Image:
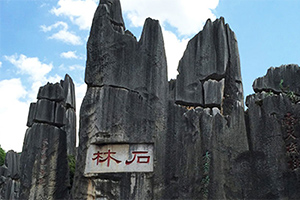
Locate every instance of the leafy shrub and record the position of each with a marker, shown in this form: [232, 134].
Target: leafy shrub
[2, 156]
[72, 164]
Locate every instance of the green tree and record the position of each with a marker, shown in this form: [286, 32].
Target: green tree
[72, 164]
[2, 156]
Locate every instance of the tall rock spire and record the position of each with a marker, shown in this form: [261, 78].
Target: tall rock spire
[125, 104]
[206, 118]
[210, 64]
[51, 134]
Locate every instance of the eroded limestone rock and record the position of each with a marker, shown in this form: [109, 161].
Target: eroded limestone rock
[273, 132]
[279, 79]
[211, 55]
[10, 176]
[125, 102]
[51, 136]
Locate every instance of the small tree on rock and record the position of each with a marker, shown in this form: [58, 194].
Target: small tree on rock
[2, 156]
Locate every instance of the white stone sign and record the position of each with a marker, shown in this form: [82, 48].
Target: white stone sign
[114, 158]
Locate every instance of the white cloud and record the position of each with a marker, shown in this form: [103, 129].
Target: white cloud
[0, 64]
[67, 37]
[69, 54]
[14, 107]
[30, 66]
[63, 35]
[76, 67]
[174, 51]
[80, 12]
[80, 90]
[13, 114]
[54, 26]
[187, 16]
[36, 70]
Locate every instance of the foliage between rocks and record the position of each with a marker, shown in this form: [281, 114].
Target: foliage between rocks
[2, 156]
[205, 180]
[72, 164]
[290, 94]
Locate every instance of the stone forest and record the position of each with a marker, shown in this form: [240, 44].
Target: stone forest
[144, 137]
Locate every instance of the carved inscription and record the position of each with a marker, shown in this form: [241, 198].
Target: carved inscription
[116, 158]
[292, 150]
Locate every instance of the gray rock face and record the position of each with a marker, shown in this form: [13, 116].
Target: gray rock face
[200, 141]
[205, 146]
[287, 74]
[274, 127]
[50, 112]
[117, 59]
[206, 126]
[45, 168]
[12, 160]
[213, 92]
[10, 176]
[70, 129]
[50, 136]
[211, 55]
[125, 102]
[52, 92]
[69, 92]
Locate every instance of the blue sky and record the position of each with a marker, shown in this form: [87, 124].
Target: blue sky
[41, 41]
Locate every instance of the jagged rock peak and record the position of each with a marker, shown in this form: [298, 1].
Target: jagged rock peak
[69, 91]
[212, 55]
[50, 137]
[12, 161]
[279, 79]
[113, 8]
[59, 92]
[116, 58]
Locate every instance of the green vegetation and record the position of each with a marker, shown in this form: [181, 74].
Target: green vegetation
[270, 93]
[290, 94]
[205, 180]
[281, 85]
[2, 156]
[72, 164]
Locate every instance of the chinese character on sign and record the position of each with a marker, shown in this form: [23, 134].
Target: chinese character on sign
[294, 162]
[140, 159]
[100, 159]
[289, 122]
[292, 148]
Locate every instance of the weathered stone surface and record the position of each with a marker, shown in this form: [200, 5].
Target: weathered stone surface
[125, 103]
[115, 115]
[273, 137]
[45, 111]
[44, 169]
[9, 188]
[117, 59]
[70, 129]
[10, 176]
[211, 54]
[201, 141]
[31, 114]
[213, 92]
[289, 74]
[50, 137]
[12, 161]
[51, 91]
[69, 92]
[50, 112]
[4, 171]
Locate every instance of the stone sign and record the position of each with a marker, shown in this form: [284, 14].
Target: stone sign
[113, 158]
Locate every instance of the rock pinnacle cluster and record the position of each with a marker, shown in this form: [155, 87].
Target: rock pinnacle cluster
[144, 137]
